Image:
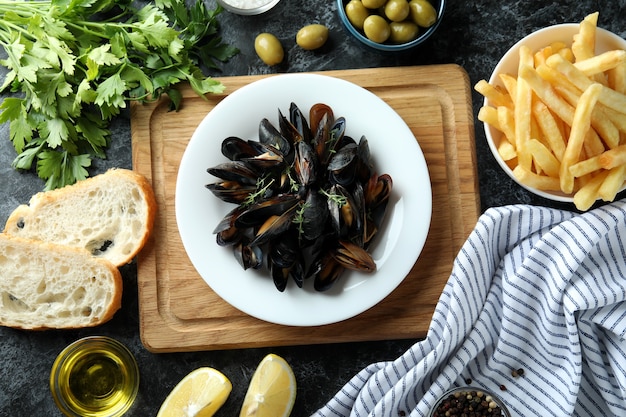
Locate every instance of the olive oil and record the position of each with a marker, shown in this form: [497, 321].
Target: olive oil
[94, 377]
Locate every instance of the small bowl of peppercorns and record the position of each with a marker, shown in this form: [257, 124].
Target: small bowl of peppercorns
[469, 401]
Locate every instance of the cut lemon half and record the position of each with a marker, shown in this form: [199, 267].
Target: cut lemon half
[272, 389]
[199, 394]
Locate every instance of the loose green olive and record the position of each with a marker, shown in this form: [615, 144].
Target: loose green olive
[356, 13]
[312, 36]
[397, 10]
[376, 28]
[373, 4]
[269, 49]
[402, 32]
[422, 13]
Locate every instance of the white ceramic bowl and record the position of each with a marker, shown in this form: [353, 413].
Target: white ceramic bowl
[605, 41]
[247, 7]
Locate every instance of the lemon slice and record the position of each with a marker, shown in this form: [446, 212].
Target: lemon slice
[272, 390]
[199, 394]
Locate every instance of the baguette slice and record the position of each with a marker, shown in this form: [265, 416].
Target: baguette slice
[110, 215]
[49, 286]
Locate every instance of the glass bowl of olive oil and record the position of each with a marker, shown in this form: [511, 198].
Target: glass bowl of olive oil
[94, 377]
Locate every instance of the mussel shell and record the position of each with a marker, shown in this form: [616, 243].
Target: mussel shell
[235, 148]
[231, 191]
[285, 259]
[238, 171]
[270, 135]
[287, 129]
[352, 256]
[343, 164]
[365, 166]
[268, 158]
[335, 138]
[326, 272]
[314, 216]
[274, 226]
[284, 251]
[226, 232]
[377, 196]
[248, 255]
[320, 114]
[346, 219]
[280, 276]
[321, 134]
[297, 119]
[305, 164]
[259, 212]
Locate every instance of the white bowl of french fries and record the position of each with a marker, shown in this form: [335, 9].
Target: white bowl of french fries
[555, 113]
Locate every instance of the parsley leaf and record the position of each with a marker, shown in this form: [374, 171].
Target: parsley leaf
[74, 64]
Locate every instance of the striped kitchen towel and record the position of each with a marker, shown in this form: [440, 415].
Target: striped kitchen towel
[532, 288]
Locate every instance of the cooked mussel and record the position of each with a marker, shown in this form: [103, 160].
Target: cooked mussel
[248, 255]
[270, 135]
[286, 260]
[308, 200]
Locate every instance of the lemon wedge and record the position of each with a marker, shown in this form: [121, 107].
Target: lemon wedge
[272, 389]
[199, 394]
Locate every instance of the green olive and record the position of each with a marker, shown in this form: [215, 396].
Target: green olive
[356, 13]
[376, 28]
[422, 13]
[403, 32]
[373, 4]
[269, 49]
[312, 36]
[397, 10]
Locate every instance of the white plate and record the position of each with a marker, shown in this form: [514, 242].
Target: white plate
[394, 151]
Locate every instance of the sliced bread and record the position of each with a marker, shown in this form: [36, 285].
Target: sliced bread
[49, 286]
[110, 215]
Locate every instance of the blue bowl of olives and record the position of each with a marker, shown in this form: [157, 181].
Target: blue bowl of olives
[391, 25]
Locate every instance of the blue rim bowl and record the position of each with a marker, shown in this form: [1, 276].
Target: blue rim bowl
[439, 6]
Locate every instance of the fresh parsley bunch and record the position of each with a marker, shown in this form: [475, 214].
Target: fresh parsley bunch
[76, 63]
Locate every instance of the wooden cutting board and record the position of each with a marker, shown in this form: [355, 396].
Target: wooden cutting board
[179, 312]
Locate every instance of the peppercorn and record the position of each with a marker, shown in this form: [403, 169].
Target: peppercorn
[474, 403]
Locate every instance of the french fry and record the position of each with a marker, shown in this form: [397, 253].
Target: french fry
[586, 167]
[546, 92]
[588, 193]
[544, 158]
[608, 97]
[506, 119]
[601, 63]
[583, 43]
[602, 124]
[540, 182]
[489, 115]
[617, 78]
[523, 105]
[612, 184]
[507, 150]
[493, 94]
[550, 128]
[613, 157]
[510, 84]
[580, 127]
[558, 47]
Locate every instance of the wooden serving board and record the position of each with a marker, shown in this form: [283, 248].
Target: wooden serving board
[179, 312]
